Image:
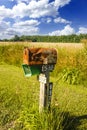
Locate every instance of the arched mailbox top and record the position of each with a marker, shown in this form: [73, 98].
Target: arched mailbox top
[39, 56]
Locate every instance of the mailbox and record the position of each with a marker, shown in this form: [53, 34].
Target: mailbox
[39, 56]
[38, 60]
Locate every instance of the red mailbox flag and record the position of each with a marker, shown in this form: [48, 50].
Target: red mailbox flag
[39, 56]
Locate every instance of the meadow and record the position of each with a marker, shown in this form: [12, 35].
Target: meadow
[19, 96]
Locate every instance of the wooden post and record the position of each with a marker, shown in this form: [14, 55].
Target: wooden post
[50, 94]
[42, 96]
[45, 89]
[47, 84]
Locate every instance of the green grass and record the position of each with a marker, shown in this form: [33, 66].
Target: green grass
[19, 103]
[19, 96]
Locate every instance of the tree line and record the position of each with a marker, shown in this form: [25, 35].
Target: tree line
[37, 38]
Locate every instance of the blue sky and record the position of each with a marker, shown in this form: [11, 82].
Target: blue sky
[42, 17]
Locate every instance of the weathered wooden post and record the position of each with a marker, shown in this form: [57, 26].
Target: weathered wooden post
[45, 87]
[43, 91]
[41, 61]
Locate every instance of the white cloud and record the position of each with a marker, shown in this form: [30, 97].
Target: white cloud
[82, 30]
[5, 12]
[19, 1]
[3, 27]
[61, 20]
[41, 9]
[33, 8]
[29, 27]
[68, 30]
[37, 8]
[19, 10]
[24, 31]
[61, 3]
[46, 20]
[27, 23]
[49, 20]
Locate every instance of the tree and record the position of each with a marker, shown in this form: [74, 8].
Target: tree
[16, 38]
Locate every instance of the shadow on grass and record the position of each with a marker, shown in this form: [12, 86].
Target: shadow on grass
[68, 121]
[72, 122]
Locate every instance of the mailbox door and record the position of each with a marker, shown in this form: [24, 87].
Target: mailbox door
[31, 70]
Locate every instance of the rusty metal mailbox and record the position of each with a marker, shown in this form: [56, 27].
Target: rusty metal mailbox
[39, 56]
[37, 59]
[41, 61]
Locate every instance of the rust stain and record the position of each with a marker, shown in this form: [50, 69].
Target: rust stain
[36, 56]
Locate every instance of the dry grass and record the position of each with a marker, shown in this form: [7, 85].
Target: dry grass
[40, 44]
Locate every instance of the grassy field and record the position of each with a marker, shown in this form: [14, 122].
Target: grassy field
[19, 96]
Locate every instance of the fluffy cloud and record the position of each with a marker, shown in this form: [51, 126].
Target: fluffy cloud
[4, 26]
[27, 23]
[26, 1]
[49, 20]
[82, 30]
[28, 27]
[61, 20]
[19, 1]
[68, 30]
[32, 8]
[41, 9]
[5, 12]
[61, 3]
[46, 20]
[19, 10]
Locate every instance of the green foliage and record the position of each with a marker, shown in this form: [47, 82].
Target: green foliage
[11, 54]
[19, 96]
[16, 38]
[71, 76]
[71, 66]
[48, 120]
[19, 103]
[70, 38]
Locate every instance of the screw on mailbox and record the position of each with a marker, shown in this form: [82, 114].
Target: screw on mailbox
[41, 61]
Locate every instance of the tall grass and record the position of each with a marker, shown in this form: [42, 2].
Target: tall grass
[19, 103]
[11, 54]
[19, 96]
[71, 64]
